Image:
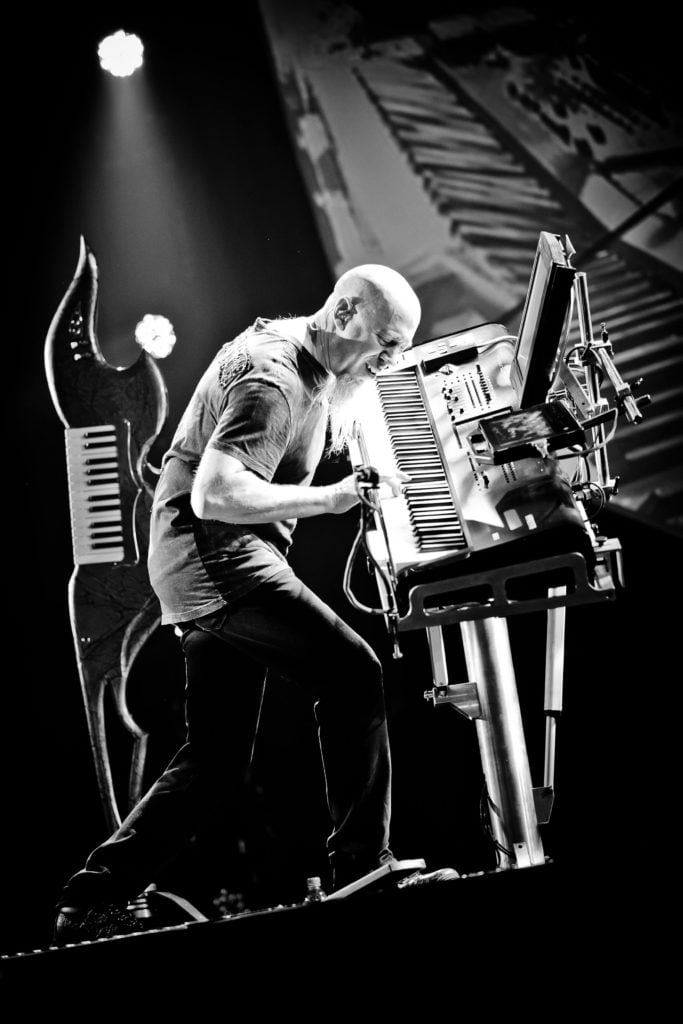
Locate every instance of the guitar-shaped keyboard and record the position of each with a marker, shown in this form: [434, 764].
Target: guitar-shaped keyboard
[111, 418]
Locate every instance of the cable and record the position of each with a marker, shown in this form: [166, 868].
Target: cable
[602, 497]
[609, 437]
[367, 479]
[495, 341]
[353, 554]
[583, 452]
[487, 829]
[577, 348]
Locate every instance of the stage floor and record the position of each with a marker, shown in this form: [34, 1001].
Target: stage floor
[554, 930]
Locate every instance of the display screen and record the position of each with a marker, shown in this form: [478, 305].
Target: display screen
[509, 436]
[542, 326]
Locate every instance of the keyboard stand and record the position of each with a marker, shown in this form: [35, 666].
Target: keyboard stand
[491, 700]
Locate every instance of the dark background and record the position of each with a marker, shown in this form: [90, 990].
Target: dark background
[226, 233]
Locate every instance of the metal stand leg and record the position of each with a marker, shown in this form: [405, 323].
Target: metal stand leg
[501, 742]
[554, 674]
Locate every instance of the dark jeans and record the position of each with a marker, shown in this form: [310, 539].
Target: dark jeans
[281, 625]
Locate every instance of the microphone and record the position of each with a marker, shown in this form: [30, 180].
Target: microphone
[367, 476]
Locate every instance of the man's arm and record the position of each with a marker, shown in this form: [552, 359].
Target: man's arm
[226, 490]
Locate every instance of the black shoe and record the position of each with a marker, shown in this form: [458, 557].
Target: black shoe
[74, 924]
[428, 878]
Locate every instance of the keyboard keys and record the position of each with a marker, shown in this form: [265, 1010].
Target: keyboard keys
[95, 494]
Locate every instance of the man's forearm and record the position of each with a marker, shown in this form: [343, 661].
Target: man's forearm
[245, 498]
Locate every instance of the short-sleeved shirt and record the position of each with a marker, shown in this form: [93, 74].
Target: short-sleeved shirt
[262, 400]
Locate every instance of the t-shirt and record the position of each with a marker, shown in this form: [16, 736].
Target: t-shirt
[263, 401]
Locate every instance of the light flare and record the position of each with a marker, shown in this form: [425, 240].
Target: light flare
[120, 54]
[155, 334]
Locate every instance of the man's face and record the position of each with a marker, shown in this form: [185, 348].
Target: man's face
[367, 339]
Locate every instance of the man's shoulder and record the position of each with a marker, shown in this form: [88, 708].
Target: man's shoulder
[272, 346]
[255, 354]
[269, 353]
[272, 351]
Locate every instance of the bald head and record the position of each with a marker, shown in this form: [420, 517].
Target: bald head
[366, 322]
[383, 291]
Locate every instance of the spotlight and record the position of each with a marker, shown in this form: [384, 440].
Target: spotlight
[120, 54]
[156, 335]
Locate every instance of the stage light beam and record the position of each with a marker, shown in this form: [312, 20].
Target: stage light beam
[120, 54]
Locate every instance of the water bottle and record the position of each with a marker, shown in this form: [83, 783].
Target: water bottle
[314, 890]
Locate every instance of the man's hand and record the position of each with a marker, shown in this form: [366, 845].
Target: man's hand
[344, 494]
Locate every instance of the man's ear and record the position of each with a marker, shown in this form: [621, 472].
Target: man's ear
[344, 310]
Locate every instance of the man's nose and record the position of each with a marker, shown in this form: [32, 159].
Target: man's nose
[387, 359]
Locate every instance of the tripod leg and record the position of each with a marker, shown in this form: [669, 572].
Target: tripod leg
[501, 742]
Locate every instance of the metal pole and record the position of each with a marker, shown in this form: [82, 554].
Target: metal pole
[554, 676]
[501, 742]
[599, 457]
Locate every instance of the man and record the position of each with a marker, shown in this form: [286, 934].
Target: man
[234, 482]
